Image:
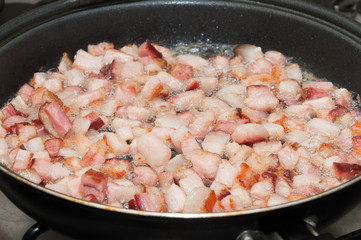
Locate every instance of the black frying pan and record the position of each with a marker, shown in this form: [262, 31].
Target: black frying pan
[323, 42]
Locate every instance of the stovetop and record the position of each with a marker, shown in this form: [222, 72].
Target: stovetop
[14, 223]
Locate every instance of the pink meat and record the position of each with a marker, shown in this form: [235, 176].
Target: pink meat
[25, 92]
[248, 52]
[262, 190]
[9, 110]
[100, 49]
[276, 58]
[147, 49]
[206, 163]
[260, 97]
[95, 121]
[152, 88]
[201, 124]
[145, 176]
[12, 121]
[93, 185]
[53, 146]
[58, 118]
[261, 65]
[250, 133]
[346, 170]
[87, 62]
[22, 160]
[288, 157]
[187, 100]
[175, 198]
[142, 202]
[125, 93]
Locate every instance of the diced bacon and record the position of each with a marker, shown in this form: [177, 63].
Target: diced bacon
[250, 133]
[321, 103]
[196, 200]
[168, 81]
[346, 170]
[282, 188]
[12, 121]
[156, 153]
[275, 131]
[184, 142]
[175, 198]
[122, 191]
[117, 146]
[147, 49]
[111, 54]
[261, 65]
[276, 199]
[145, 176]
[138, 113]
[42, 164]
[87, 62]
[53, 146]
[190, 182]
[306, 180]
[74, 77]
[80, 126]
[182, 72]
[215, 142]
[206, 163]
[226, 174]
[152, 88]
[126, 70]
[187, 100]
[302, 111]
[248, 52]
[267, 148]
[288, 157]
[83, 100]
[201, 124]
[9, 110]
[93, 159]
[276, 58]
[25, 132]
[231, 203]
[225, 126]
[294, 72]
[116, 168]
[142, 202]
[289, 91]
[58, 119]
[342, 97]
[262, 190]
[96, 83]
[171, 121]
[100, 49]
[65, 63]
[196, 62]
[34, 145]
[95, 121]
[260, 98]
[93, 185]
[22, 160]
[31, 175]
[207, 84]
[238, 70]
[25, 92]
[125, 93]
[38, 79]
[322, 127]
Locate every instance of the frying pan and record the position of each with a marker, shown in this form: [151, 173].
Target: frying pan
[322, 41]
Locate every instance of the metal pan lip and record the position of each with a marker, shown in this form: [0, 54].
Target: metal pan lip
[291, 204]
[179, 215]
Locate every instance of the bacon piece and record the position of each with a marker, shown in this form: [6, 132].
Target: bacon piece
[196, 62]
[323, 127]
[248, 52]
[288, 157]
[53, 146]
[206, 163]
[260, 65]
[246, 176]
[182, 72]
[111, 54]
[342, 97]
[145, 176]
[96, 122]
[215, 142]
[346, 170]
[58, 118]
[22, 160]
[289, 91]
[116, 168]
[126, 70]
[125, 93]
[187, 100]
[87, 62]
[250, 133]
[142, 202]
[190, 182]
[175, 198]
[276, 58]
[9, 110]
[262, 190]
[147, 49]
[152, 88]
[225, 126]
[156, 153]
[93, 185]
[260, 97]
[12, 121]
[100, 49]
[93, 158]
[25, 92]
[170, 82]
[201, 124]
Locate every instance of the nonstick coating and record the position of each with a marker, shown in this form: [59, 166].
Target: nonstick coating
[320, 47]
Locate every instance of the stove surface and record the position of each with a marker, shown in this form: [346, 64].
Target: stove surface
[14, 223]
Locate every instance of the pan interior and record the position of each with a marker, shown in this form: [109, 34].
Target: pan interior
[319, 47]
